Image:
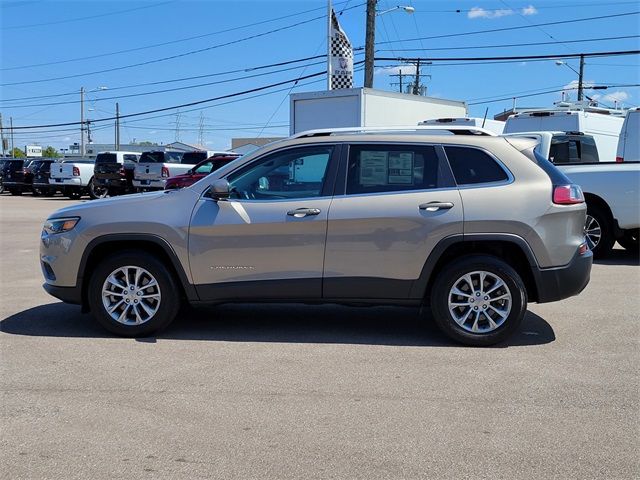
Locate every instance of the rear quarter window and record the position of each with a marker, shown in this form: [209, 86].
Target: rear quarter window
[471, 166]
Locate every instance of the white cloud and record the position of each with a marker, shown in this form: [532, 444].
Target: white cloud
[406, 70]
[571, 89]
[66, 139]
[617, 96]
[151, 132]
[479, 12]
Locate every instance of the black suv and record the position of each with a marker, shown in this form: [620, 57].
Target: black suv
[13, 174]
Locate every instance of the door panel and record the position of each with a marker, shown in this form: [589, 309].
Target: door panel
[268, 241]
[399, 203]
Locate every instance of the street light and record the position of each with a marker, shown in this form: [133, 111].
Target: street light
[407, 9]
[580, 74]
[82, 128]
[370, 39]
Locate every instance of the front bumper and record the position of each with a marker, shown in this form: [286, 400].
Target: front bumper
[555, 284]
[66, 294]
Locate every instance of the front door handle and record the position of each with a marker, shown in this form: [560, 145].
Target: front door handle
[303, 212]
[435, 206]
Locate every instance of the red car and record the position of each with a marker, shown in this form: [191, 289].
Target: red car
[201, 170]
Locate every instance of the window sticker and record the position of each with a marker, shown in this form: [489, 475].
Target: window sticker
[401, 168]
[373, 167]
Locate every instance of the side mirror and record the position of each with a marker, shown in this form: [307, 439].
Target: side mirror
[220, 189]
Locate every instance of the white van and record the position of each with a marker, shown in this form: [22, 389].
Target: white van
[628, 145]
[495, 126]
[604, 126]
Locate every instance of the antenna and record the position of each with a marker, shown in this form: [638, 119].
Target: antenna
[178, 126]
[201, 130]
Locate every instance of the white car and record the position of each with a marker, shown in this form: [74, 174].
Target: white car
[73, 177]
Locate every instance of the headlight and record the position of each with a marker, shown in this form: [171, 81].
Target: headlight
[60, 225]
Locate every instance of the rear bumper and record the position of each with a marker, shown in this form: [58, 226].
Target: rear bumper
[66, 294]
[555, 284]
[159, 184]
[113, 183]
[67, 182]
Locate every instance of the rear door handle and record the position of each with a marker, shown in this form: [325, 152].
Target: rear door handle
[435, 206]
[303, 212]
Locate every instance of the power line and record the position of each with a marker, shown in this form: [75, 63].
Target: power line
[599, 87]
[195, 37]
[164, 109]
[515, 57]
[86, 18]
[521, 27]
[473, 47]
[166, 90]
[164, 59]
[182, 79]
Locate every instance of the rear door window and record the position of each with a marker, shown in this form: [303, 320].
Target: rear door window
[106, 158]
[193, 158]
[173, 157]
[394, 168]
[472, 166]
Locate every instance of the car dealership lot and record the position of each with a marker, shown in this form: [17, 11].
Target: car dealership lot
[271, 391]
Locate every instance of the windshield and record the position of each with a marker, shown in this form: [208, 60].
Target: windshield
[152, 157]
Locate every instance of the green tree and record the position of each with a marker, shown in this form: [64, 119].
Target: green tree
[50, 152]
[147, 144]
[17, 153]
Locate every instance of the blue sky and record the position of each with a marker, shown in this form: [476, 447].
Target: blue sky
[36, 32]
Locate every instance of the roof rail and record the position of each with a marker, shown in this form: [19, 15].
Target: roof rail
[413, 129]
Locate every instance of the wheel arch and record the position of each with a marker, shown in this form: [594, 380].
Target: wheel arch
[101, 247]
[510, 248]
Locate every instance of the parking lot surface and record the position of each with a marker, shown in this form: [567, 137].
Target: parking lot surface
[254, 391]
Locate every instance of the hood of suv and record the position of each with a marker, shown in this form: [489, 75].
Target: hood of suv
[140, 201]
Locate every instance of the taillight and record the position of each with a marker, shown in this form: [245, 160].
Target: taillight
[122, 172]
[165, 172]
[76, 172]
[582, 249]
[619, 159]
[567, 194]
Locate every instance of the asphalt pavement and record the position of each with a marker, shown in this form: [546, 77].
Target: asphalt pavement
[252, 391]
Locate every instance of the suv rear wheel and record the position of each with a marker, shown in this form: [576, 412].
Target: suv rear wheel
[133, 294]
[478, 300]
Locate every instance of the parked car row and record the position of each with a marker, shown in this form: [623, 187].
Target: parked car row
[110, 173]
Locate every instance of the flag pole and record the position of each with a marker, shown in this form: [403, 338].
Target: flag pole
[329, 9]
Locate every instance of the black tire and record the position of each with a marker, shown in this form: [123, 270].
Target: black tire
[73, 194]
[630, 240]
[168, 288]
[36, 192]
[602, 247]
[450, 276]
[15, 192]
[96, 191]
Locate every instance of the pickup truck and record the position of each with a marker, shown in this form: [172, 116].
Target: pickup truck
[611, 189]
[156, 167]
[563, 147]
[113, 173]
[72, 177]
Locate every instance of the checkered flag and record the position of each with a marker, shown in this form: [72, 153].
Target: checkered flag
[341, 63]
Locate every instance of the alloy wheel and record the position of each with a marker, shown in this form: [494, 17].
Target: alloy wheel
[131, 295]
[592, 231]
[479, 301]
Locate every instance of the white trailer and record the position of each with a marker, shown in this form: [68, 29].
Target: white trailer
[366, 107]
[603, 125]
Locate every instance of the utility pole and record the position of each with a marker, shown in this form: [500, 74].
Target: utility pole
[416, 84]
[329, 21]
[399, 75]
[82, 121]
[369, 45]
[580, 79]
[117, 142]
[11, 125]
[2, 135]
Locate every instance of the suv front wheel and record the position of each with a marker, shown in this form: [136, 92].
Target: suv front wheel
[133, 294]
[478, 300]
